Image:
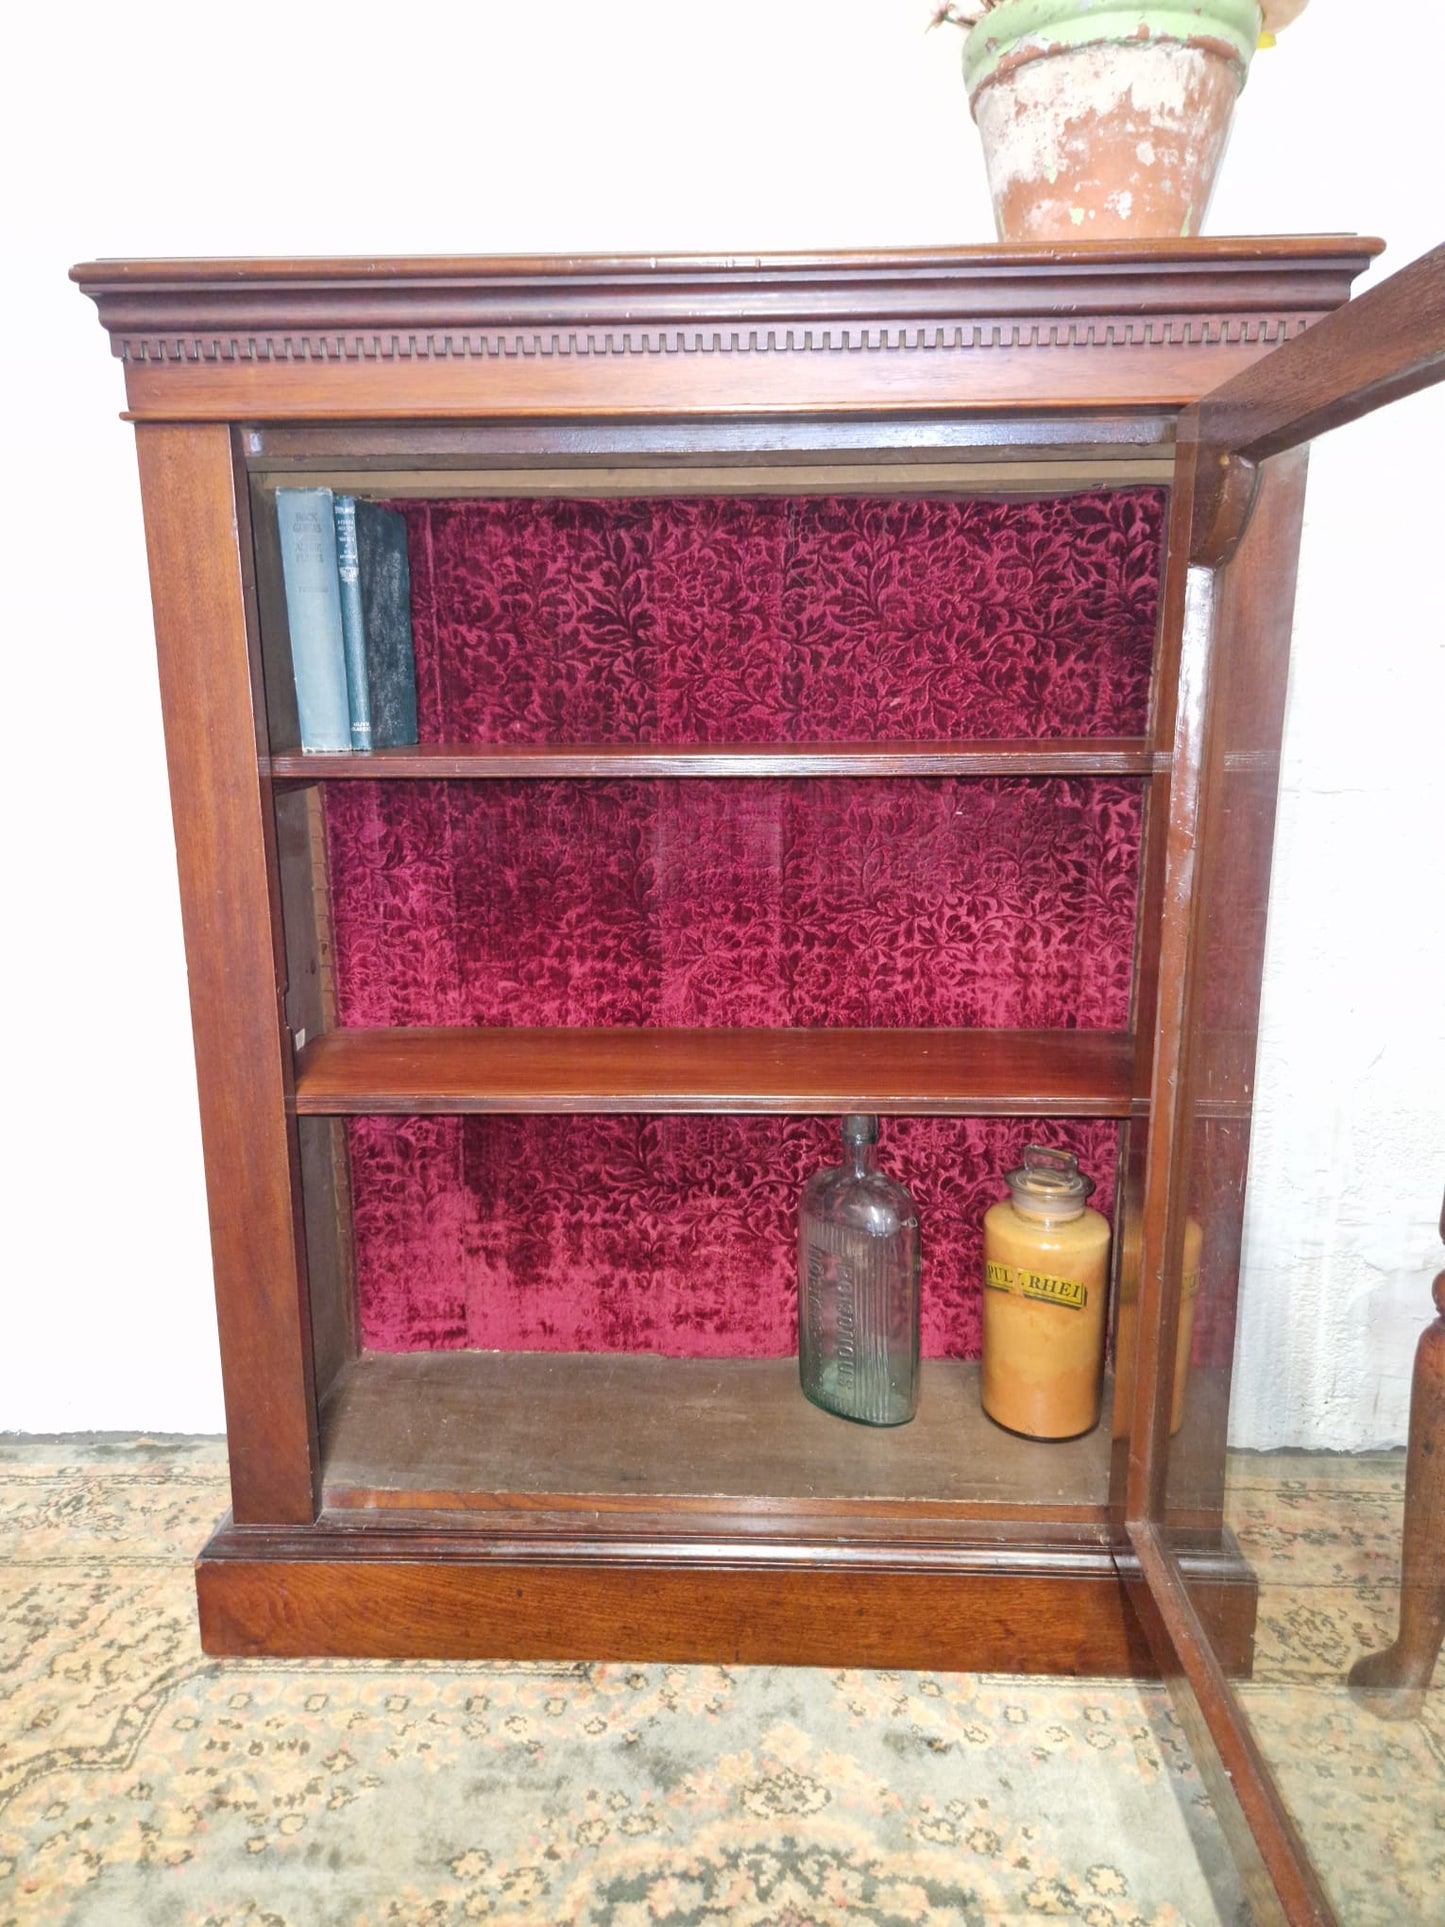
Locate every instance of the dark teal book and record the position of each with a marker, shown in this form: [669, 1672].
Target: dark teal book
[386, 612]
[307, 528]
[353, 623]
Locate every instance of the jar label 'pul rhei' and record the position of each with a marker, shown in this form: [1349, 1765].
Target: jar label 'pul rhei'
[1036, 1284]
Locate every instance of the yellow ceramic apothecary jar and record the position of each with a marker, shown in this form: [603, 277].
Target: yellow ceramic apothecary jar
[1046, 1271]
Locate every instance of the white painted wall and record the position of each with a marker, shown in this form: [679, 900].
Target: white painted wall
[643, 124]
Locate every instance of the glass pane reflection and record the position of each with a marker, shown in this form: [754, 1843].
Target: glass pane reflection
[1286, 1496]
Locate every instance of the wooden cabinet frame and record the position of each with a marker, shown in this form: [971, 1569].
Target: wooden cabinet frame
[1203, 364]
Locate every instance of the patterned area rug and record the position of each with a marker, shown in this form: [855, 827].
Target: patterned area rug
[142, 1783]
[1368, 1794]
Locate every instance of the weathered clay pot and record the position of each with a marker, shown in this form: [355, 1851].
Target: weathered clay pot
[1102, 119]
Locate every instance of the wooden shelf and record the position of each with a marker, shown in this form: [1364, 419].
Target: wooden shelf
[499, 1432]
[981, 1073]
[1075, 756]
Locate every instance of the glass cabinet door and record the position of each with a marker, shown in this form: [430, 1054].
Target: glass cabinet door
[1292, 1549]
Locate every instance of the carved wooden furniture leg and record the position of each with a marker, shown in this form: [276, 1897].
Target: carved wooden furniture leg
[1392, 1683]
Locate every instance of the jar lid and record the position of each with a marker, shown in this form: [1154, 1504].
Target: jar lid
[1049, 1183]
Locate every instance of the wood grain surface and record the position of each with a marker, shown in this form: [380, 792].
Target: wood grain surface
[1387, 344]
[974, 328]
[1083, 756]
[983, 1073]
[235, 960]
[470, 1430]
[366, 1599]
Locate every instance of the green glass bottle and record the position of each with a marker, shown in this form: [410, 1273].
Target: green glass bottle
[858, 1271]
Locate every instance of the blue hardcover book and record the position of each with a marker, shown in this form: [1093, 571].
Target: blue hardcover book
[313, 615]
[353, 625]
[386, 611]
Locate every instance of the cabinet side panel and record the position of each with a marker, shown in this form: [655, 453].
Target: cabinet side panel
[310, 1011]
[199, 547]
[283, 726]
[326, 1180]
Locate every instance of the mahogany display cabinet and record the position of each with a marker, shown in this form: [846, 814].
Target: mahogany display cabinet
[847, 683]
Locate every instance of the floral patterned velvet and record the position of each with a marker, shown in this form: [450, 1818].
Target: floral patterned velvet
[653, 1234]
[873, 900]
[879, 901]
[784, 619]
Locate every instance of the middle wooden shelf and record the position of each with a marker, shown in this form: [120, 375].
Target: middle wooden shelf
[980, 1073]
[1023, 756]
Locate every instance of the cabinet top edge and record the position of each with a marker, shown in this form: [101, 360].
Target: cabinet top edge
[1089, 325]
[1076, 259]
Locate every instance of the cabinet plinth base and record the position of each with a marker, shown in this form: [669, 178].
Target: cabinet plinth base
[998, 1606]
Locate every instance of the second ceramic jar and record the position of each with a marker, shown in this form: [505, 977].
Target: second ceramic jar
[1046, 1268]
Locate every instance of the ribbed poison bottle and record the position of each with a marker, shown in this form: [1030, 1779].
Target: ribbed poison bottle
[858, 1265]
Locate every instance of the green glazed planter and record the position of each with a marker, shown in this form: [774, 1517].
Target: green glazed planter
[1102, 120]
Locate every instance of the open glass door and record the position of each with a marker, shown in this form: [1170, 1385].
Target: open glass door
[1295, 1596]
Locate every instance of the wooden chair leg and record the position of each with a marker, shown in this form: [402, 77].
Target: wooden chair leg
[1393, 1683]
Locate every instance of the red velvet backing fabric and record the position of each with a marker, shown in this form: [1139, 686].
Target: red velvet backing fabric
[889, 901]
[784, 619]
[711, 902]
[669, 1234]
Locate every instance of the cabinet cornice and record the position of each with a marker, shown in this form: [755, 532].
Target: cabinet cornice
[979, 327]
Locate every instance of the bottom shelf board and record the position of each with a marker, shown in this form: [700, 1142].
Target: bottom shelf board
[479, 1431]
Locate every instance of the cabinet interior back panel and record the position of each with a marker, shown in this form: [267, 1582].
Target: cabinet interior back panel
[858, 900]
[672, 1235]
[869, 901]
[784, 618]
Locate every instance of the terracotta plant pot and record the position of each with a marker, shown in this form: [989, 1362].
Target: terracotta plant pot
[1106, 119]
